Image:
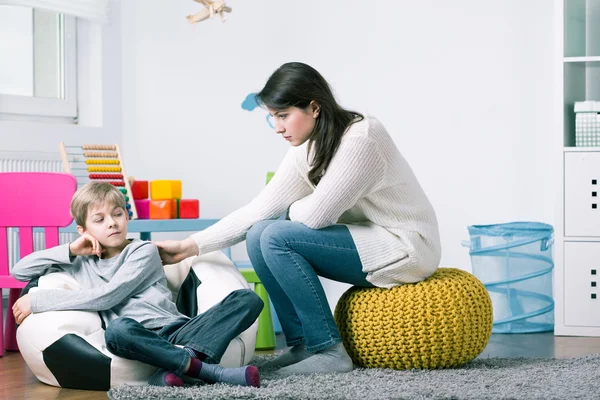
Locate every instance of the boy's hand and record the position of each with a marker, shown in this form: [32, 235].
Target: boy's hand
[21, 309]
[86, 245]
[173, 251]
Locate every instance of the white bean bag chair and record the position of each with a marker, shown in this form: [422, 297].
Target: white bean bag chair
[67, 348]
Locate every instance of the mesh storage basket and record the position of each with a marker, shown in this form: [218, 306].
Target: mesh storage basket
[514, 262]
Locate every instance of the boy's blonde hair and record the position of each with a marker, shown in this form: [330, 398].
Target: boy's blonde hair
[91, 194]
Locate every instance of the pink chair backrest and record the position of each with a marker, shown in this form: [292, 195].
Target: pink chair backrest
[28, 200]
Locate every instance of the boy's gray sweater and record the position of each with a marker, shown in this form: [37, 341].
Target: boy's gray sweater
[132, 284]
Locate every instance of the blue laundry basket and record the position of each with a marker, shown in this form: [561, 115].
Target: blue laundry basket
[514, 262]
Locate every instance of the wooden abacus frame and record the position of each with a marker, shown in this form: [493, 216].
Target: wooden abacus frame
[97, 157]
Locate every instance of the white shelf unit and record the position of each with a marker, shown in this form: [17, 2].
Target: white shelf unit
[580, 59]
[577, 228]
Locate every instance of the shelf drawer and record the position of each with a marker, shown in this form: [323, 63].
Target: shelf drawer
[581, 280]
[582, 194]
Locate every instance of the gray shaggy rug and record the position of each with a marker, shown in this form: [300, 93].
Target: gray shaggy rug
[487, 378]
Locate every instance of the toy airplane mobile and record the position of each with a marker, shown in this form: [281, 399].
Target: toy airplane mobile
[212, 8]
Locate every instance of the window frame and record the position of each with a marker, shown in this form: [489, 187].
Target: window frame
[51, 107]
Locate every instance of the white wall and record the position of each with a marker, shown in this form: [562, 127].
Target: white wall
[464, 87]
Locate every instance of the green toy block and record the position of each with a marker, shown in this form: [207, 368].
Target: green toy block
[270, 176]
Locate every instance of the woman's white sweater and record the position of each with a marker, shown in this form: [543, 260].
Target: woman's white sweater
[369, 187]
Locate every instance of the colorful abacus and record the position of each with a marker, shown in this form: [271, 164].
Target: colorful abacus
[98, 163]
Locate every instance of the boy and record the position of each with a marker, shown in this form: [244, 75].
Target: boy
[124, 280]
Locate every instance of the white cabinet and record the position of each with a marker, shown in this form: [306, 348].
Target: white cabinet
[582, 301]
[582, 190]
[577, 228]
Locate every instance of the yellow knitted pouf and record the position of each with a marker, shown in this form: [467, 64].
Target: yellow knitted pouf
[442, 322]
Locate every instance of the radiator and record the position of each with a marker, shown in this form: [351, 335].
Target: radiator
[30, 162]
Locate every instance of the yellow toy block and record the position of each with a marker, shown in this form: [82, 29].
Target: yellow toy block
[165, 190]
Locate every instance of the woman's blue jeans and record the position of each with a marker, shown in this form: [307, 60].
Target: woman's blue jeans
[289, 257]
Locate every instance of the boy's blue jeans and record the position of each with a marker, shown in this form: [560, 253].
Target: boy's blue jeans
[289, 257]
[208, 333]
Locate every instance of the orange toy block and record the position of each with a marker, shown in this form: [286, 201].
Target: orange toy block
[189, 208]
[139, 190]
[163, 209]
[165, 190]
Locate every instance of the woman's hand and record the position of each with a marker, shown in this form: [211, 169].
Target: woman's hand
[173, 251]
[86, 245]
[21, 309]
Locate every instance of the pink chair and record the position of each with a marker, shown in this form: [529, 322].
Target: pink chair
[29, 199]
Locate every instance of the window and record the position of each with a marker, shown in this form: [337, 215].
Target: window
[37, 63]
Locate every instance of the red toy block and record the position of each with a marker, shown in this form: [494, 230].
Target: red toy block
[139, 190]
[163, 209]
[189, 208]
[143, 208]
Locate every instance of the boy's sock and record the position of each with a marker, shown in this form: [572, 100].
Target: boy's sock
[211, 373]
[292, 356]
[162, 377]
[333, 359]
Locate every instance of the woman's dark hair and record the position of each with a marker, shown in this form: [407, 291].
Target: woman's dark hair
[296, 85]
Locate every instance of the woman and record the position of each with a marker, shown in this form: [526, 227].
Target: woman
[356, 215]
